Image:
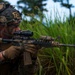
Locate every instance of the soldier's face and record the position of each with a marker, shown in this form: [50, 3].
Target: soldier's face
[7, 31]
[12, 26]
[11, 29]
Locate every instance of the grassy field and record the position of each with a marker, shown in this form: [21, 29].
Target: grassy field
[56, 60]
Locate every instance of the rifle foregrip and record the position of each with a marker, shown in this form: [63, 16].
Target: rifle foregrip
[27, 58]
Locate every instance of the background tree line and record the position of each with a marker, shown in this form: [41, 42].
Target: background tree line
[35, 8]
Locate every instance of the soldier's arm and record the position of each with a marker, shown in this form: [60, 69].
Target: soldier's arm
[10, 53]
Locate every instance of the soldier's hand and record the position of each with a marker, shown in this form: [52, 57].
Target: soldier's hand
[48, 38]
[31, 48]
[12, 52]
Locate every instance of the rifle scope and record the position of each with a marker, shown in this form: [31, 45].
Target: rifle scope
[23, 33]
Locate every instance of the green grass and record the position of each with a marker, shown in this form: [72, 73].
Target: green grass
[55, 61]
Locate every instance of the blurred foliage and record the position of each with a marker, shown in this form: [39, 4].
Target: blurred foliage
[55, 61]
[2, 0]
[32, 7]
[66, 4]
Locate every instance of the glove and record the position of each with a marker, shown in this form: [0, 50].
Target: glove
[48, 38]
[34, 48]
[31, 48]
[12, 52]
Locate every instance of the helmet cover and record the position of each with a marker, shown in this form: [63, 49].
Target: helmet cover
[8, 13]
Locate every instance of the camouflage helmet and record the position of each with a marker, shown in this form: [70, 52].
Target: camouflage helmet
[8, 13]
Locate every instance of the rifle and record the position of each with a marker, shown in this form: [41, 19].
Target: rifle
[25, 37]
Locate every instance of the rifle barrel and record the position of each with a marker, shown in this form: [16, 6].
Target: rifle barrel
[68, 45]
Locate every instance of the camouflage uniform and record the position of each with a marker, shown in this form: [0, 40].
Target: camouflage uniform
[14, 66]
